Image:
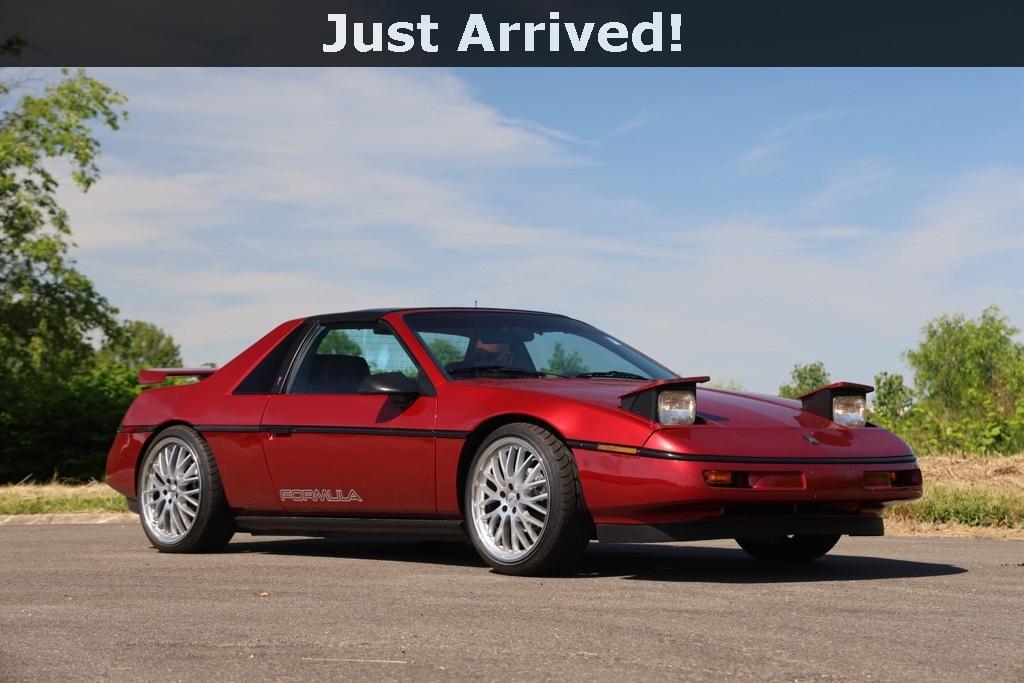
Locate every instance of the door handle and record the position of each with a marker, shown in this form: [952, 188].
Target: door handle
[278, 430]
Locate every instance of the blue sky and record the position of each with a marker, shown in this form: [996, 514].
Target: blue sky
[728, 222]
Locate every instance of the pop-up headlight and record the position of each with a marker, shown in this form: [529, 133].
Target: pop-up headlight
[671, 402]
[677, 407]
[850, 410]
[845, 403]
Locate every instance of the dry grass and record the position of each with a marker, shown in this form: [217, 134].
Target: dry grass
[26, 499]
[966, 496]
[1005, 473]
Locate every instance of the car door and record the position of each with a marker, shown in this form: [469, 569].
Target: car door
[334, 451]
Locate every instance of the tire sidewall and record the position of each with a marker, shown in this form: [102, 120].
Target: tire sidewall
[201, 450]
[550, 534]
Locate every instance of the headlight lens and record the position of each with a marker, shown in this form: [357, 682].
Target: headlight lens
[677, 407]
[849, 411]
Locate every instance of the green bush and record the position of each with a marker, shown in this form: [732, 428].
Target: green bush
[62, 427]
[968, 380]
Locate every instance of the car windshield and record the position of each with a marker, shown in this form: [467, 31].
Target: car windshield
[468, 344]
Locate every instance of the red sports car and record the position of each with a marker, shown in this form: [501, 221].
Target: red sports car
[533, 433]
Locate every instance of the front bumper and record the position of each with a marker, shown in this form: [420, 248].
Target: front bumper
[623, 489]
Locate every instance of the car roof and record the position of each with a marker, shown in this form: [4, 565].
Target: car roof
[370, 315]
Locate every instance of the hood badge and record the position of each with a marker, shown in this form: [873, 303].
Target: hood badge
[811, 440]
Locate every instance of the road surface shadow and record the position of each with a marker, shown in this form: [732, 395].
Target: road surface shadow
[728, 565]
[634, 562]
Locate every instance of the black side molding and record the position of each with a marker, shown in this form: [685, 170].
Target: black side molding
[739, 528]
[350, 526]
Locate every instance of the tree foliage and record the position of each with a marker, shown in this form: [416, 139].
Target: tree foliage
[562, 363]
[968, 383]
[48, 310]
[59, 400]
[139, 344]
[445, 351]
[892, 398]
[804, 378]
[338, 342]
[959, 359]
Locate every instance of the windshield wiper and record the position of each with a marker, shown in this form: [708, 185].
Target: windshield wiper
[616, 374]
[501, 369]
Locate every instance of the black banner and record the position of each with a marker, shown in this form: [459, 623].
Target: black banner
[534, 33]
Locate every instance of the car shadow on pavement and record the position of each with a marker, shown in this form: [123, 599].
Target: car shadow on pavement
[455, 553]
[727, 565]
[634, 562]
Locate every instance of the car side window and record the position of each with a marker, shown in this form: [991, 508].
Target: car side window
[340, 358]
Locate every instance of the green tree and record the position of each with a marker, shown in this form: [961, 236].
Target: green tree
[892, 399]
[48, 309]
[563, 363]
[968, 383]
[958, 359]
[804, 378]
[446, 352]
[140, 344]
[338, 342]
[58, 403]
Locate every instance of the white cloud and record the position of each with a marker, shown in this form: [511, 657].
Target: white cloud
[250, 197]
[766, 157]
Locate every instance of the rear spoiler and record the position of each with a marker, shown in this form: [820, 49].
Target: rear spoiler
[158, 375]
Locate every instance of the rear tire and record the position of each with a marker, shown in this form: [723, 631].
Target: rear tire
[524, 506]
[181, 499]
[796, 548]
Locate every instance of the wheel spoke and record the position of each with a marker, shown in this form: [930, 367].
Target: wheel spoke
[187, 515]
[531, 533]
[520, 540]
[506, 535]
[535, 483]
[531, 519]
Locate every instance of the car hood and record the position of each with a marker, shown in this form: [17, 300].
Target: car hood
[734, 423]
[738, 410]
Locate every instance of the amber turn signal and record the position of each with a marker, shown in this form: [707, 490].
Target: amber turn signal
[718, 477]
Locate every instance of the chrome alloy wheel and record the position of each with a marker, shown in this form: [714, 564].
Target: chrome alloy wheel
[509, 500]
[171, 491]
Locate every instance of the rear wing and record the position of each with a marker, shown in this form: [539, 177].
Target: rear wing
[158, 375]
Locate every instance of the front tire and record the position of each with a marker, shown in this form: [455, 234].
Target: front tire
[524, 505]
[796, 548]
[181, 500]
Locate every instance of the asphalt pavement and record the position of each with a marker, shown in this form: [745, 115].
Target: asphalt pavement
[97, 603]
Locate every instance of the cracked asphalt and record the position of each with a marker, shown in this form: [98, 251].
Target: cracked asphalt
[97, 603]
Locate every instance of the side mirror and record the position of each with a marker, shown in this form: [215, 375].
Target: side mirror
[398, 387]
